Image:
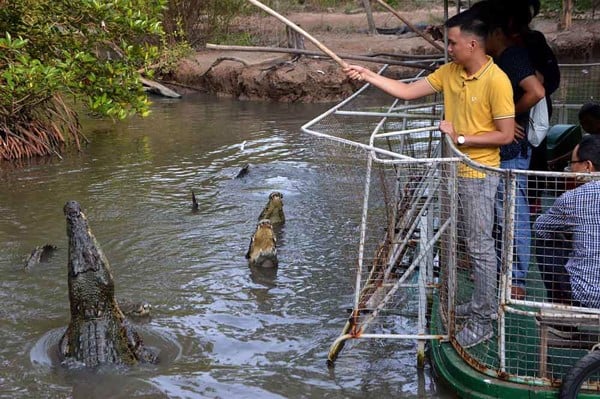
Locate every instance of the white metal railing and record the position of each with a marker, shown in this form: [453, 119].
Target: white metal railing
[420, 254]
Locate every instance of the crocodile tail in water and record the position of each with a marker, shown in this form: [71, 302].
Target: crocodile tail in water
[194, 202]
[98, 332]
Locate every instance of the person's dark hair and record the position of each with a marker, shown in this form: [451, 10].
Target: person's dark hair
[592, 109]
[589, 150]
[523, 10]
[494, 15]
[469, 21]
[513, 16]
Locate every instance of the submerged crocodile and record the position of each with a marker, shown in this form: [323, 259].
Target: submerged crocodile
[98, 332]
[243, 171]
[262, 251]
[39, 254]
[274, 209]
[135, 309]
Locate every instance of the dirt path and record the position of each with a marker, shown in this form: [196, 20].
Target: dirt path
[281, 77]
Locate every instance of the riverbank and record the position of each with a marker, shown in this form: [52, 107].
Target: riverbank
[288, 78]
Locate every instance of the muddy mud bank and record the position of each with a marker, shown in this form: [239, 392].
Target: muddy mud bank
[291, 78]
[283, 80]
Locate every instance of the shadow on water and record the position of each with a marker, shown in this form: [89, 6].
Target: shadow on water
[264, 276]
[226, 330]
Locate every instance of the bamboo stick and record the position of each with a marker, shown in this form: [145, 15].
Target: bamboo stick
[411, 26]
[298, 29]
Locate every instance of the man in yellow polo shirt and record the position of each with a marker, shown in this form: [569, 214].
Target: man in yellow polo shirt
[479, 118]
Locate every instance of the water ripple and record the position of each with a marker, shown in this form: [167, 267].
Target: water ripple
[232, 331]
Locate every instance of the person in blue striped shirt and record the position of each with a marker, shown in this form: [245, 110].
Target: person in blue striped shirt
[568, 253]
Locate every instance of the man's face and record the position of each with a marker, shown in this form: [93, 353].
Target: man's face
[460, 45]
[576, 164]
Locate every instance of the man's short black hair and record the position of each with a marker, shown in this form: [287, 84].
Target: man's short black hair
[469, 21]
[589, 150]
[591, 109]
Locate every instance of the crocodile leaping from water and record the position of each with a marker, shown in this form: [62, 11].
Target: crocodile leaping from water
[98, 332]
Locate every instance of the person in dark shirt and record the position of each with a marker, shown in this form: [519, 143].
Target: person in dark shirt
[545, 63]
[520, 13]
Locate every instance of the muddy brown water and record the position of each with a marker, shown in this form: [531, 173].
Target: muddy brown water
[223, 332]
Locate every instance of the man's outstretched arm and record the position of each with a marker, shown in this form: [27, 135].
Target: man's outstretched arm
[404, 91]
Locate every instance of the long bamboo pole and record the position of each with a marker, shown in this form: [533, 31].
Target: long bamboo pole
[298, 29]
[411, 26]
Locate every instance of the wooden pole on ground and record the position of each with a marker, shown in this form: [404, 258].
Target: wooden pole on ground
[298, 29]
[424, 64]
[411, 26]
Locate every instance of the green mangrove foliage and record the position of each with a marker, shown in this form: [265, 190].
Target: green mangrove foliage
[87, 52]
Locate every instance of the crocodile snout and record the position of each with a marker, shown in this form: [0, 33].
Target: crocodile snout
[72, 209]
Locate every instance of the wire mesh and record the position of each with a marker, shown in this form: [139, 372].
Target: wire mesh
[424, 205]
[578, 85]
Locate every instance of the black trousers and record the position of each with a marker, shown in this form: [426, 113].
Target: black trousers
[552, 256]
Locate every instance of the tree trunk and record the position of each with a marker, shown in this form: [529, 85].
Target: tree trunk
[370, 20]
[294, 39]
[566, 18]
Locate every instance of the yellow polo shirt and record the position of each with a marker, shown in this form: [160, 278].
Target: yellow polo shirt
[472, 103]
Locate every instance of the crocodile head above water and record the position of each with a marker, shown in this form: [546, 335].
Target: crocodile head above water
[274, 209]
[98, 332]
[262, 251]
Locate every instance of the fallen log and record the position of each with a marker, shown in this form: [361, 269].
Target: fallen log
[378, 60]
[421, 57]
[186, 86]
[156, 88]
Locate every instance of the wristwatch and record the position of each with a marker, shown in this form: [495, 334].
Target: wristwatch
[460, 140]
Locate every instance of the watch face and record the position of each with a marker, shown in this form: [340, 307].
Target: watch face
[460, 140]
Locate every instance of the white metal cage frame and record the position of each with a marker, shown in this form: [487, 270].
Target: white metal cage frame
[416, 255]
